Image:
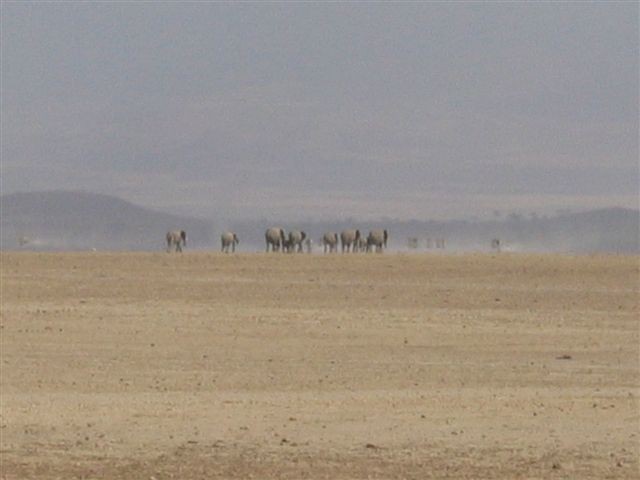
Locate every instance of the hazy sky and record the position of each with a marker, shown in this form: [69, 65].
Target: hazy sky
[302, 110]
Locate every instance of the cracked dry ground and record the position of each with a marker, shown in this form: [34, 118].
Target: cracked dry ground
[156, 366]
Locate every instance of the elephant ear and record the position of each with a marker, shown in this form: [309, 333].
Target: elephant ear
[304, 235]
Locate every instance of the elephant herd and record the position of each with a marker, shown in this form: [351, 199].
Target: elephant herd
[351, 240]
[276, 239]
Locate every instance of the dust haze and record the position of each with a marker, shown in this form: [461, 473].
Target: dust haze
[298, 112]
[496, 336]
[82, 221]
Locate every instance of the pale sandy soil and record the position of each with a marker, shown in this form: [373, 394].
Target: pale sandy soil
[158, 366]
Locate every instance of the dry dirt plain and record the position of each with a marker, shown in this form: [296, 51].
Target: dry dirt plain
[201, 365]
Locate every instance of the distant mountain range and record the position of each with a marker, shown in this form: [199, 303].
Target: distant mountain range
[61, 220]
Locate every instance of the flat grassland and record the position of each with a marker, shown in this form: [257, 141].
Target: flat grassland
[203, 365]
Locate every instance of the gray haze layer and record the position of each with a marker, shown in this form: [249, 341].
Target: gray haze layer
[299, 111]
[83, 221]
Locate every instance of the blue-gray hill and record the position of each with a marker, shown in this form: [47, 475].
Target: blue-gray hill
[63, 220]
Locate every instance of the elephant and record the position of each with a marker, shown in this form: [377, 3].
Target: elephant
[330, 242]
[377, 239]
[229, 240]
[296, 237]
[360, 245]
[349, 238]
[276, 237]
[176, 239]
